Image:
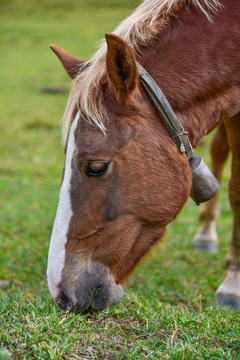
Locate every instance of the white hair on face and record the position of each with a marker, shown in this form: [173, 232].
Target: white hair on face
[56, 254]
[147, 21]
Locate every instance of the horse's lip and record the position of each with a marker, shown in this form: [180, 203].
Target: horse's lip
[95, 289]
[94, 232]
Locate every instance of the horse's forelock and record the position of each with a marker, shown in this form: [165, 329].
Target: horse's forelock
[148, 20]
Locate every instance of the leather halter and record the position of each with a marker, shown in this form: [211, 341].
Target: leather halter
[167, 114]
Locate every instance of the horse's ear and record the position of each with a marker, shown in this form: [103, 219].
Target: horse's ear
[71, 64]
[121, 66]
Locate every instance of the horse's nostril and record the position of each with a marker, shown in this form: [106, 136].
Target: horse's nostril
[63, 302]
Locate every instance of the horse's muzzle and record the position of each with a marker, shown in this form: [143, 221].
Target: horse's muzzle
[95, 290]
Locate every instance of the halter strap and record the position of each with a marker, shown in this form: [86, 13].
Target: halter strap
[167, 114]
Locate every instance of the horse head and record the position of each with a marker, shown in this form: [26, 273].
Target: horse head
[121, 186]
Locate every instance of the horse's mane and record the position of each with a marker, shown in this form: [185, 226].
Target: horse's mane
[142, 26]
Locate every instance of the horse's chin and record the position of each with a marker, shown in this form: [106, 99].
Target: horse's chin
[95, 289]
[114, 295]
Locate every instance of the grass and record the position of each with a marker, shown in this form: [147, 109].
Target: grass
[168, 310]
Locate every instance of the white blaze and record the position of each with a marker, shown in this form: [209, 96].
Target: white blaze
[56, 254]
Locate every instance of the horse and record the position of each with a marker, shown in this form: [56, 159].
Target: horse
[207, 237]
[124, 179]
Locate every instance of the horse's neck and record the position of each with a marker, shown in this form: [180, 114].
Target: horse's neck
[195, 63]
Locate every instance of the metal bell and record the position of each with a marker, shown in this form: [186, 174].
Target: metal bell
[204, 184]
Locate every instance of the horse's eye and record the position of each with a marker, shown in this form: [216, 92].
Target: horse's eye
[97, 168]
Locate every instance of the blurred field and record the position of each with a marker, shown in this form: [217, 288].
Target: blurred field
[168, 310]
